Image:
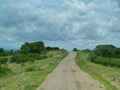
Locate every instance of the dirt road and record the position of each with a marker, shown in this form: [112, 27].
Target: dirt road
[68, 76]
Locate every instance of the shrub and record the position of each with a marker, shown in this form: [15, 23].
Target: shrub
[113, 62]
[20, 59]
[107, 51]
[3, 60]
[92, 57]
[26, 58]
[15, 58]
[30, 69]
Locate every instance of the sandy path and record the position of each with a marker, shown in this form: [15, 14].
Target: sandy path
[68, 76]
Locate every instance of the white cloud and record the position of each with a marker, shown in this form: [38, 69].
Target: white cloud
[68, 23]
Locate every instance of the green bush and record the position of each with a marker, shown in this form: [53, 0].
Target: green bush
[26, 58]
[30, 69]
[17, 59]
[20, 59]
[107, 55]
[113, 62]
[107, 51]
[4, 54]
[92, 57]
[3, 60]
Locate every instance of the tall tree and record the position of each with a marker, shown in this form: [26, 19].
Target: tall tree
[35, 47]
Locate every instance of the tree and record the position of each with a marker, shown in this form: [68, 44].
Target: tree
[25, 48]
[48, 48]
[2, 50]
[75, 49]
[35, 47]
[106, 50]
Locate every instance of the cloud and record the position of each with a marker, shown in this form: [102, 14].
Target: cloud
[68, 24]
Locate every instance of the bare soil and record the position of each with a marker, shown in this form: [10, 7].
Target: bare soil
[68, 76]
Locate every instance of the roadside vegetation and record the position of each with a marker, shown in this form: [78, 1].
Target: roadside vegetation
[103, 64]
[28, 67]
[107, 55]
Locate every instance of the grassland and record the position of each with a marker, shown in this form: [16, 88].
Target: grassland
[30, 75]
[109, 76]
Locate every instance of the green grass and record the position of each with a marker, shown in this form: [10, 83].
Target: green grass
[31, 75]
[109, 76]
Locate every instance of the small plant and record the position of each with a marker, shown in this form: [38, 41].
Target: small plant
[30, 69]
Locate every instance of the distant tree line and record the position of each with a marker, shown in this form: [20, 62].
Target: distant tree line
[27, 52]
[36, 47]
[26, 48]
[6, 52]
[48, 48]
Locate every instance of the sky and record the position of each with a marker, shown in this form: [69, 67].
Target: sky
[64, 23]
